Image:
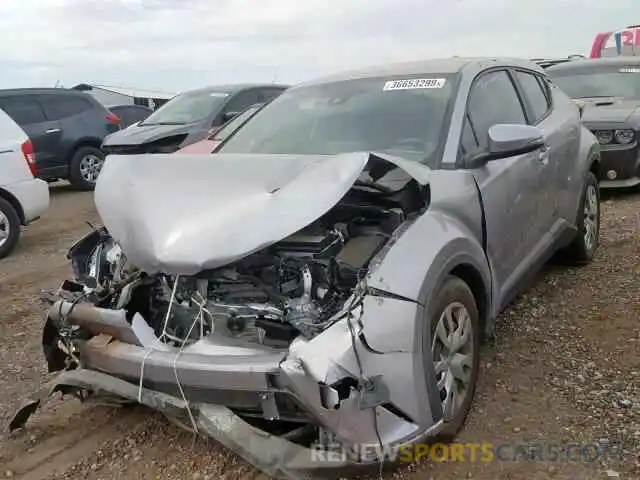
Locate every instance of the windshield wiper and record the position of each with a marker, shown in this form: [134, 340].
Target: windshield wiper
[162, 123]
[597, 96]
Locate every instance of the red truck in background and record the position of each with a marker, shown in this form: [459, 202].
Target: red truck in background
[625, 41]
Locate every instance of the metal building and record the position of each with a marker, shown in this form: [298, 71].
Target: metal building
[110, 96]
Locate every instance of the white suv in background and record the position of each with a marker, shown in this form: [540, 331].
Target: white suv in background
[23, 197]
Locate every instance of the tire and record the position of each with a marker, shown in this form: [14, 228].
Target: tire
[10, 221]
[85, 166]
[581, 251]
[455, 294]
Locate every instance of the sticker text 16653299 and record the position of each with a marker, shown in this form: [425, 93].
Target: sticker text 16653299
[414, 83]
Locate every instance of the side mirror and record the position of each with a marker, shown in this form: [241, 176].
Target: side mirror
[228, 116]
[508, 140]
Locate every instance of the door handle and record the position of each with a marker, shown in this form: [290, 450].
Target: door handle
[52, 130]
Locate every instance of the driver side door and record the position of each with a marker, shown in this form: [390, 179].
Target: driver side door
[511, 188]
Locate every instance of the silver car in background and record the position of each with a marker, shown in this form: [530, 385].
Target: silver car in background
[325, 279]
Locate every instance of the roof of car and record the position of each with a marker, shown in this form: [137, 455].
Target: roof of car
[39, 91]
[422, 67]
[589, 63]
[236, 87]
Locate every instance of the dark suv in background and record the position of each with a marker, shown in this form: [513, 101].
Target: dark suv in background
[188, 118]
[66, 128]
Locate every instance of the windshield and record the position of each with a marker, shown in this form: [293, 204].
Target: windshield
[235, 123]
[621, 82]
[403, 117]
[186, 108]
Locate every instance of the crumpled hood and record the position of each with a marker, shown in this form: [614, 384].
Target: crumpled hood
[141, 134]
[600, 110]
[183, 214]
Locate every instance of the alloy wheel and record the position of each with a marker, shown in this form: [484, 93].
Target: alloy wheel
[90, 167]
[5, 229]
[591, 210]
[452, 352]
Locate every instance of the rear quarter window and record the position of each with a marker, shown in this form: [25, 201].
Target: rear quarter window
[138, 114]
[23, 111]
[60, 107]
[535, 93]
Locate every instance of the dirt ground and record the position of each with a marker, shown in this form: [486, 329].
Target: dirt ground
[564, 367]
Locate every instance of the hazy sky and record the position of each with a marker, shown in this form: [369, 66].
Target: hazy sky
[175, 45]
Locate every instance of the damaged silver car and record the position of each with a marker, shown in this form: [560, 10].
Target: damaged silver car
[324, 281]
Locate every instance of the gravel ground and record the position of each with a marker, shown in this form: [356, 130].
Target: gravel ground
[564, 367]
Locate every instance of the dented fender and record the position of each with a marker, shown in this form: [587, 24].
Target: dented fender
[414, 268]
[322, 370]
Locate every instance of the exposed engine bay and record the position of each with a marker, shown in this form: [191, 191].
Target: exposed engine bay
[262, 337]
[294, 287]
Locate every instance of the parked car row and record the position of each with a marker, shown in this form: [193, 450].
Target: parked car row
[70, 132]
[326, 278]
[188, 118]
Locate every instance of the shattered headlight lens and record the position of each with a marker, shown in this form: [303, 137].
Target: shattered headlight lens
[604, 136]
[624, 137]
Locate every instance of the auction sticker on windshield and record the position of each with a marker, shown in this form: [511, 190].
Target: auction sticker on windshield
[414, 83]
[630, 70]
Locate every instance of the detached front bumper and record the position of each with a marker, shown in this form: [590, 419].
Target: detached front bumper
[274, 455]
[220, 382]
[214, 370]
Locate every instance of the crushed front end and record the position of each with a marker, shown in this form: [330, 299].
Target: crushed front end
[267, 353]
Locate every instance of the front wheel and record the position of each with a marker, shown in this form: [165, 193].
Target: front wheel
[85, 167]
[455, 352]
[584, 246]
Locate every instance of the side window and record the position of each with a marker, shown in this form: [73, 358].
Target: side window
[493, 99]
[139, 114]
[536, 97]
[23, 111]
[124, 116]
[57, 107]
[268, 94]
[241, 101]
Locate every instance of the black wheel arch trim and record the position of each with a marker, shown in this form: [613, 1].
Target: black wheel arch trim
[13, 201]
